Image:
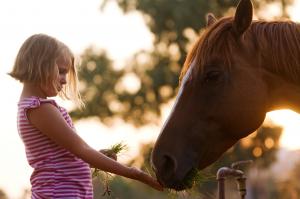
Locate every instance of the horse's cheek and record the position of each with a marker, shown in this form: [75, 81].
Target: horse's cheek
[244, 109]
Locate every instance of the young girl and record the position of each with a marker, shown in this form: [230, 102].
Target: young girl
[59, 157]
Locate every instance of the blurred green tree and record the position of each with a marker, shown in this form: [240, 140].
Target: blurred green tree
[136, 92]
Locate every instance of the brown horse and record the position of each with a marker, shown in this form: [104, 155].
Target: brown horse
[237, 71]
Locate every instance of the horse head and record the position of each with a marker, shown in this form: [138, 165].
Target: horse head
[222, 98]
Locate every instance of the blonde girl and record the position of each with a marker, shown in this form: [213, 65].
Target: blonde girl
[59, 157]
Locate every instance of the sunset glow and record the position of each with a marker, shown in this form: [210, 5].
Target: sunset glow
[290, 121]
[111, 30]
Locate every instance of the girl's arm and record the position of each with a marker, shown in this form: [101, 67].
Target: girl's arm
[50, 122]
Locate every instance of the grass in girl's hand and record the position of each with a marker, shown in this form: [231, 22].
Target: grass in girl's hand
[115, 149]
[118, 148]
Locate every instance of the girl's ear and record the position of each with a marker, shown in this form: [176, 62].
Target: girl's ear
[243, 16]
[210, 19]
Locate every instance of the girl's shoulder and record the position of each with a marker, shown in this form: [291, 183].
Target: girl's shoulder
[34, 102]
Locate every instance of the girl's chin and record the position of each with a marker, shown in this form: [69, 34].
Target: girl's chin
[53, 94]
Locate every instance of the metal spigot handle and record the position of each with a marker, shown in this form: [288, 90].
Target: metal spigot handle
[236, 165]
[241, 183]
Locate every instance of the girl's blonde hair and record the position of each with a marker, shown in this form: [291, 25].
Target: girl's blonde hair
[36, 62]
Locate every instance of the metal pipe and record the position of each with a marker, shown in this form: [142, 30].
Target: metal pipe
[234, 171]
[221, 188]
[222, 174]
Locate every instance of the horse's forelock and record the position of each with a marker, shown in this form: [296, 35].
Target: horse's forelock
[215, 41]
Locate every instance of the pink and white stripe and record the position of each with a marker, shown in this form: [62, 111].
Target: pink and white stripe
[57, 172]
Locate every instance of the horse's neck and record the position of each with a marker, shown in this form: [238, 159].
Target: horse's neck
[282, 94]
[279, 48]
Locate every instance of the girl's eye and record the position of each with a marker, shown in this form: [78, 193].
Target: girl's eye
[62, 72]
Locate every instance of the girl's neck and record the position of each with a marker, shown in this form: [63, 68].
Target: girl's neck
[30, 89]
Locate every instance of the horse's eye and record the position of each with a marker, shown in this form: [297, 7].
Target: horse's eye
[212, 76]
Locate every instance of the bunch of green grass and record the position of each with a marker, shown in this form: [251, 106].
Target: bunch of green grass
[116, 149]
[196, 177]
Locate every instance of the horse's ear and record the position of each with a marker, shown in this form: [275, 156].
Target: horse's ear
[210, 19]
[243, 16]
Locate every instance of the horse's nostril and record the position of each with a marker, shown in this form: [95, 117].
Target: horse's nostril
[169, 162]
[169, 166]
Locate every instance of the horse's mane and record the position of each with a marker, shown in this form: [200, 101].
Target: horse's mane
[278, 43]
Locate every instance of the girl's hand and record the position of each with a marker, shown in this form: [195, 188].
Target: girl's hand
[109, 153]
[146, 178]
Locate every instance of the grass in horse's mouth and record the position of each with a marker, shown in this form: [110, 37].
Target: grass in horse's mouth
[196, 177]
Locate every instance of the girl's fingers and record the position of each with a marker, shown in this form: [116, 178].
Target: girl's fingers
[109, 153]
[151, 181]
[141, 176]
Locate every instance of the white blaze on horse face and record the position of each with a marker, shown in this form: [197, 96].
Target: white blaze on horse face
[184, 80]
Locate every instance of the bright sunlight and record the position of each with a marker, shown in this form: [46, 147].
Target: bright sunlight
[290, 121]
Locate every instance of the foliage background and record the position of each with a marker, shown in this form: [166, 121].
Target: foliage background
[175, 26]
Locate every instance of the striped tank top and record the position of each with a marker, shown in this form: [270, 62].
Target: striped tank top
[57, 172]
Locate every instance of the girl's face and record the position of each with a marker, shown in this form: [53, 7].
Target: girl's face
[63, 69]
